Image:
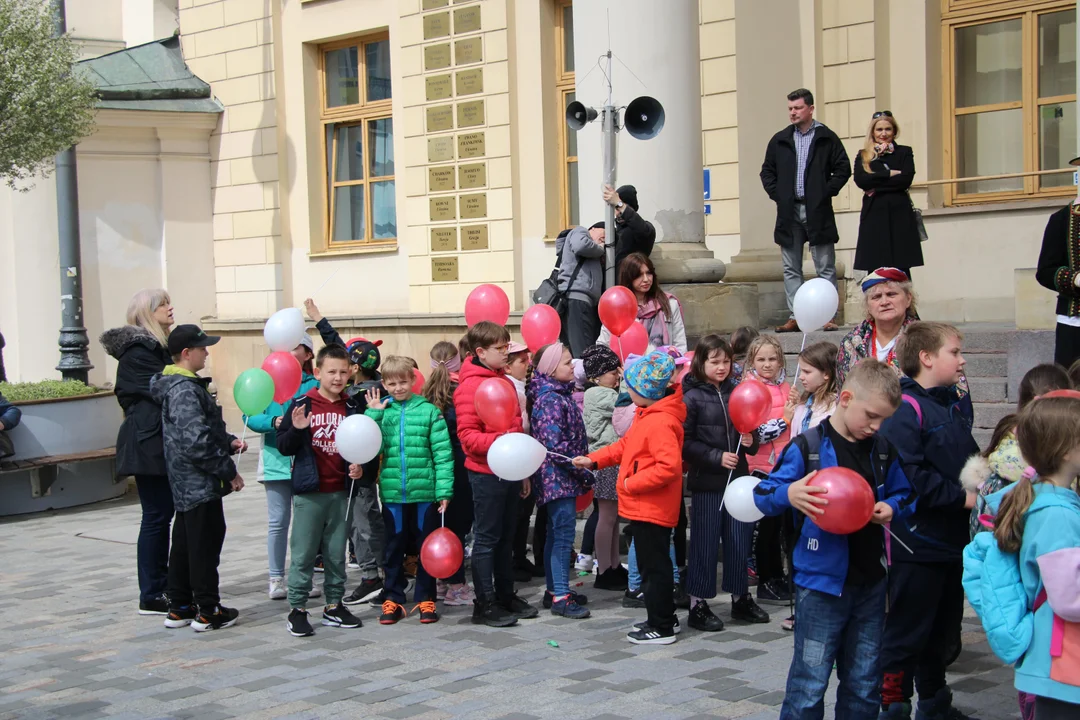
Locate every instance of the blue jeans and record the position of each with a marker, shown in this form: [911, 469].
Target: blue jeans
[404, 521]
[847, 630]
[633, 580]
[561, 525]
[152, 549]
[278, 514]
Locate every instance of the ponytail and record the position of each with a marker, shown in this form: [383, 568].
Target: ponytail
[439, 387]
[1009, 523]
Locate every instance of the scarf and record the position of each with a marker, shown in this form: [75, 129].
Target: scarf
[778, 380]
[648, 312]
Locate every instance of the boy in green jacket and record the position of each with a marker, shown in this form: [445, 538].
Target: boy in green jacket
[417, 470]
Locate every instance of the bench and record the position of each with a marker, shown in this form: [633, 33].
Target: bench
[43, 469]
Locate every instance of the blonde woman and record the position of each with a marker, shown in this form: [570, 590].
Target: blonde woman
[141, 349]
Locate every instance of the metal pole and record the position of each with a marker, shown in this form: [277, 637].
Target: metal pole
[610, 123]
[74, 342]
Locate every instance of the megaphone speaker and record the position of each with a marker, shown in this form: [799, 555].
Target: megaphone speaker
[644, 118]
[577, 115]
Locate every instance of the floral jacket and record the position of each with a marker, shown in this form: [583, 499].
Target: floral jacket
[558, 425]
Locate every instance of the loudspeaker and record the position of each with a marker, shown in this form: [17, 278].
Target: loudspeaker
[577, 115]
[644, 118]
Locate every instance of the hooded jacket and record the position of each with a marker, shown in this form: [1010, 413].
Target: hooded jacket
[710, 434]
[633, 233]
[598, 412]
[578, 248]
[275, 465]
[474, 435]
[557, 423]
[418, 460]
[10, 415]
[198, 448]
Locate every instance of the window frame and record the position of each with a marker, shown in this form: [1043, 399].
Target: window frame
[343, 116]
[565, 83]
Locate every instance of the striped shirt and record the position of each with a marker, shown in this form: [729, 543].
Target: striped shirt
[803, 141]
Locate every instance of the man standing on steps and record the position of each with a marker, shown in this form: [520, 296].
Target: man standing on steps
[805, 167]
[632, 232]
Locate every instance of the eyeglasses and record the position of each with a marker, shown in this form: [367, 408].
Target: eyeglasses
[500, 348]
[879, 113]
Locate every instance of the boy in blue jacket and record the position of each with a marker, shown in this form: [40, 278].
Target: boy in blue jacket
[840, 580]
[932, 431]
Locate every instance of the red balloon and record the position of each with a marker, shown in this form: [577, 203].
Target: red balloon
[851, 500]
[618, 309]
[441, 553]
[540, 326]
[584, 501]
[635, 341]
[487, 302]
[497, 404]
[1062, 393]
[749, 405]
[418, 383]
[286, 372]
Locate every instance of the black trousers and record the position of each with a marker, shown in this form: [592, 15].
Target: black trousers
[539, 532]
[768, 550]
[495, 503]
[412, 529]
[1066, 345]
[582, 325]
[922, 630]
[197, 537]
[459, 516]
[1051, 709]
[679, 538]
[657, 573]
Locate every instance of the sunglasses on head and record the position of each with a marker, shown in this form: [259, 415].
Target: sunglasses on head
[879, 113]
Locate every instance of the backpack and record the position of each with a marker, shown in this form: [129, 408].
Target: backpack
[995, 589]
[548, 293]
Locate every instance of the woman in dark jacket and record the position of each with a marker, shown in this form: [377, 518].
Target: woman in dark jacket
[888, 233]
[141, 349]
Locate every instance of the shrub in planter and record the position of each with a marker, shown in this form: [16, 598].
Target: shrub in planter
[45, 390]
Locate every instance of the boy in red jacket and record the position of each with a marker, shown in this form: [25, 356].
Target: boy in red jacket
[495, 501]
[649, 457]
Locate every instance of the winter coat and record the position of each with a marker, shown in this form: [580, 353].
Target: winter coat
[598, 412]
[933, 453]
[275, 465]
[827, 171]
[632, 234]
[650, 462]
[986, 476]
[557, 424]
[768, 452]
[710, 434]
[578, 248]
[198, 448]
[1059, 259]
[418, 460]
[475, 437]
[662, 330]
[888, 235]
[10, 415]
[623, 415]
[296, 443]
[139, 445]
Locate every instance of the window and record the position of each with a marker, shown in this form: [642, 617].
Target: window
[358, 144]
[564, 87]
[1010, 98]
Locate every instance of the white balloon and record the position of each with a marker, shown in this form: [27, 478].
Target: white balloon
[739, 499]
[515, 456]
[815, 304]
[358, 439]
[284, 330]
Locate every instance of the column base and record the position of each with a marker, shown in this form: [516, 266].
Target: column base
[686, 262]
[764, 268]
[715, 307]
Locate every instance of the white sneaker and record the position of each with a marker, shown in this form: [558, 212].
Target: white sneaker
[316, 591]
[585, 563]
[277, 589]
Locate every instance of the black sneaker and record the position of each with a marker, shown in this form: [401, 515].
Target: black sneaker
[392, 612]
[156, 606]
[492, 614]
[633, 599]
[428, 613]
[578, 598]
[379, 599]
[677, 627]
[747, 610]
[367, 589]
[519, 608]
[610, 579]
[649, 635]
[339, 616]
[521, 575]
[682, 599]
[704, 619]
[318, 563]
[218, 617]
[773, 592]
[179, 617]
[298, 623]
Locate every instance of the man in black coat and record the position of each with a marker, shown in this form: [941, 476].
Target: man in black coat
[1059, 271]
[805, 167]
[632, 232]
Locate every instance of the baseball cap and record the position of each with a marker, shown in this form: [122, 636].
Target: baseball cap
[184, 337]
[307, 342]
[516, 347]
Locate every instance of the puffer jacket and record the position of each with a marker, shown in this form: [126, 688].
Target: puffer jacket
[10, 415]
[768, 451]
[418, 460]
[275, 465]
[598, 412]
[557, 424]
[475, 437]
[710, 434]
[198, 448]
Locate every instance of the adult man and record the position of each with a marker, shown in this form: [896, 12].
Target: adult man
[805, 167]
[632, 232]
[1059, 270]
[581, 277]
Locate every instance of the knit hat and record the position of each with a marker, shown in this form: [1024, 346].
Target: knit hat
[884, 274]
[598, 360]
[600, 224]
[365, 354]
[628, 194]
[649, 376]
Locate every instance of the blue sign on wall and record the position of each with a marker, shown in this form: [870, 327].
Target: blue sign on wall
[708, 184]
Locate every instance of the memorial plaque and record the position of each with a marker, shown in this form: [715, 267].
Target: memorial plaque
[440, 117]
[470, 114]
[438, 87]
[441, 179]
[432, 4]
[437, 57]
[470, 50]
[443, 239]
[444, 269]
[473, 206]
[474, 237]
[473, 175]
[440, 149]
[471, 145]
[436, 25]
[467, 20]
[470, 82]
[442, 208]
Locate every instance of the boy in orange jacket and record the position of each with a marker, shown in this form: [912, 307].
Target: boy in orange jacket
[650, 487]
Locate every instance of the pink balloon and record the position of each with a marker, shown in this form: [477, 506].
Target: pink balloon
[682, 370]
[497, 404]
[635, 341]
[442, 553]
[418, 383]
[749, 405]
[286, 373]
[487, 302]
[540, 326]
[618, 309]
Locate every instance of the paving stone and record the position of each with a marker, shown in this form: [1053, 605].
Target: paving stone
[79, 709]
[971, 685]
[610, 657]
[460, 686]
[739, 693]
[590, 674]
[334, 696]
[773, 698]
[699, 655]
[745, 654]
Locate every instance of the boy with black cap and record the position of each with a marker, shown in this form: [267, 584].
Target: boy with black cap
[198, 459]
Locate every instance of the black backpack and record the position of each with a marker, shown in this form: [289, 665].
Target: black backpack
[548, 293]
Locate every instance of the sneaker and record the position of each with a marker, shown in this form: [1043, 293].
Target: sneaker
[570, 609]
[155, 606]
[788, 624]
[773, 592]
[704, 619]
[747, 610]
[939, 707]
[578, 598]
[318, 563]
[316, 591]
[277, 589]
[682, 599]
[298, 623]
[459, 595]
[392, 612]
[649, 635]
[519, 608]
[492, 614]
[410, 565]
[895, 711]
[584, 563]
[339, 616]
[610, 579]
[677, 627]
[379, 599]
[179, 617]
[428, 613]
[352, 564]
[633, 599]
[220, 617]
[367, 589]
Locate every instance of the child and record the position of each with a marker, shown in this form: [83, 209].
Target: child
[306, 432]
[713, 453]
[650, 487]
[9, 418]
[201, 473]
[932, 431]
[495, 501]
[517, 372]
[740, 343]
[841, 580]
[557, 424]
[817, 373]
[419, 471]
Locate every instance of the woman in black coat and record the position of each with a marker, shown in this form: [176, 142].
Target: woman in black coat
[888, 234]
[141, 349]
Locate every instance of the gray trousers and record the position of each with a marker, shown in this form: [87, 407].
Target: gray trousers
[824, 257]
[368, 531]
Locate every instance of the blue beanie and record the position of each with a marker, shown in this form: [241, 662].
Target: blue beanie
[650, 375]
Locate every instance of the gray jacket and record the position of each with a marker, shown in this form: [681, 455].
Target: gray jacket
[580, 247]
[597, 411]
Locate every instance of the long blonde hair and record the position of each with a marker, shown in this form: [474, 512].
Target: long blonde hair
[141, 309]
[867, 153]
[439, 388]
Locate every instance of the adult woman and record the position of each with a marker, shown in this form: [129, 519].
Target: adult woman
[888, 233]
[658, 311]
[141, 349]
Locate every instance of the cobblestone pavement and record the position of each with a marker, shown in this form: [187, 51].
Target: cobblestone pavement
[74, 647]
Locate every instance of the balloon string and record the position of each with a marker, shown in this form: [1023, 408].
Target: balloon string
[348, 505]
[902, 543]
[324, 282]
[442, 517]
[570, 459]
[242, 436]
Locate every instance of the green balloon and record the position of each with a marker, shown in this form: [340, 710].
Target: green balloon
[253, 391]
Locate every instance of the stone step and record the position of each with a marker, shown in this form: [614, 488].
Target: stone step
[978, 338]
[982, 436]
[988, 389]
[979, 365]
[988, 415]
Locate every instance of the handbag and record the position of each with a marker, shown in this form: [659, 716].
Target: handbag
[919, 224]
[548, 292]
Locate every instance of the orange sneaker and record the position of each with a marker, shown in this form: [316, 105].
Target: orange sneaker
[392, 612]
[427, 612]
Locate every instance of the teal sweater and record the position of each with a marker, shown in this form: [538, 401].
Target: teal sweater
[418, 460]
[275, 465]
